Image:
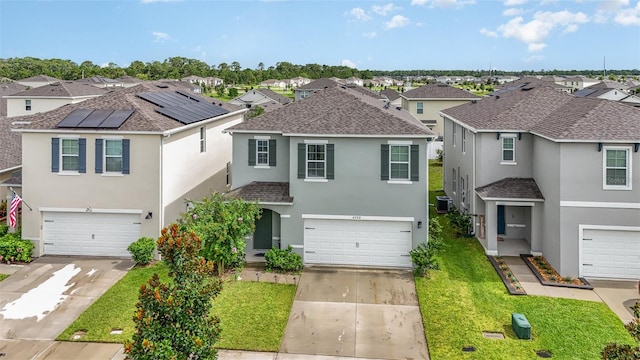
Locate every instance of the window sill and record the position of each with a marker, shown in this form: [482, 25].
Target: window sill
[316, 180]
[262, 167]
[68, 173]
[400, 182]
[508, 163]
[111, 174]
[616, 188]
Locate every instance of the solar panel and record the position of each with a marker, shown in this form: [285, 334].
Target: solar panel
[95, 118]
[116, 119]
[74, 118]
[182, 106]
[584, 92]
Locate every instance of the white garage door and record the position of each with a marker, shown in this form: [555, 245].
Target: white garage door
[91, 234]
[610, 254]
[349, 242]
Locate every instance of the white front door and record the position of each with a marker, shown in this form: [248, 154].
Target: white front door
[610, 254]
[357, 242]
[90, 234]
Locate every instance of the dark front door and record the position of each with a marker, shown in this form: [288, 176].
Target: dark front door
[501, 223]
[262, 236]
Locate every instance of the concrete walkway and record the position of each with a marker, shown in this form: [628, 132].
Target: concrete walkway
[616, 294]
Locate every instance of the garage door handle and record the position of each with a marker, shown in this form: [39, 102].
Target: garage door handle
[49, 243]
[308, 228]
[407, 255]
[309, 252]
[405, 230]
[587, 264]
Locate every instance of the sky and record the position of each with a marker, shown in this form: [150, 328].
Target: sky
[509, 35]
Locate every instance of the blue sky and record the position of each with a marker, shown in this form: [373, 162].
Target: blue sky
[377, 35]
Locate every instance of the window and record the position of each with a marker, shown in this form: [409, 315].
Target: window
[617, 168]
[399, 162]
[27, 105]
[228, 173]
[203, 139]
[419, 108]
[455, 182]
[113, 155]
[262, 152]
[315, 161]
[464, 140]
[70, 154]
[508, 149]
[463, 192]
[453, 140]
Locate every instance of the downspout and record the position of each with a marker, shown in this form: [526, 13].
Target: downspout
[473, 179]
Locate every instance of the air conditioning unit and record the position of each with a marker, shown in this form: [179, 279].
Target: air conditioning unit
[444, 204]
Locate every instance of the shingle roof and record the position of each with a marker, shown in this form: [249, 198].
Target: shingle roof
[390, 94]
[365, 91]
[40, 78]
[336, 111]
[511, 188]
[63, 89]
[264, 192]
[318, 84]
[550, 113]
[274, 96]
[144, 118]
[438, 91]
[8, 88]
[11, 148]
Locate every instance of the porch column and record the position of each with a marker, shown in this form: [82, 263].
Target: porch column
[491, 220]
[536, 241]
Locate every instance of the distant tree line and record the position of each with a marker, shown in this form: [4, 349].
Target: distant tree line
[180, 67]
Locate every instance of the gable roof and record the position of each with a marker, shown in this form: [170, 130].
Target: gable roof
[319, 84]
[552, 114]
[336, 111]
[438, 91]
[511, 189]
[63, 89]
[40, 78]
[274, 96]
[8, 88]
[390, 94]
[144, 118]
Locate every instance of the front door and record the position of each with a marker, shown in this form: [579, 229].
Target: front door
[262, 236]
[501, 223]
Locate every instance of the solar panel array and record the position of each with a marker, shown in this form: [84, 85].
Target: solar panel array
[584, 92]
[95, 118]
[182, 106]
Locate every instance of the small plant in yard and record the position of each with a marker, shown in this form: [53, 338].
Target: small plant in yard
[423, 256]
[142, 250]
[615, 351]
[283, 260]
[4, 228]
[459, 221]
[13, 248]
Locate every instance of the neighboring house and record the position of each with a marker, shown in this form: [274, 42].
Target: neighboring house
[263, 97]
[212, 81]
[576, 82]
[316, 85]
[426, 102]
[102, 173]
[48, 97]
[194, 79]
[129, 81]
[101, 82]
[298, 81]
[274, 83]
[339, 177]
[37, 81]
[392, 96]
[10, 159]
[383, 80]
[8, 88]
[185, 85]
[354, 80]
[548, 173]
[602, 91]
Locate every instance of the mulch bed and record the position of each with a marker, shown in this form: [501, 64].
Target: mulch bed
[547, 275]
[506, 275]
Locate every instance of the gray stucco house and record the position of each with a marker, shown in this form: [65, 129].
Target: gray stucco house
[557, 173]
[340, 178]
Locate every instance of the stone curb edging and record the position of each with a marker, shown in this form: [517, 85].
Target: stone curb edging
[587, 286]
[505, 281]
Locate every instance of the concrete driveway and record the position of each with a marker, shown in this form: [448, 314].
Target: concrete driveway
[43, 298]
[618, 295]
[358, 313]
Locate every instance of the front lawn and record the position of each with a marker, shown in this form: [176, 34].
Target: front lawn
[3, 276]
[466, 298]
[252, 315]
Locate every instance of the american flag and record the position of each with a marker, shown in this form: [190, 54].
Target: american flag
[13, 210]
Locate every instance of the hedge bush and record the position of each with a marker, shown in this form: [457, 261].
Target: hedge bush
[142, 250]
[13, 248]
[283, 260]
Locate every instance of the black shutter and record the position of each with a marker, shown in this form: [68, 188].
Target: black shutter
[55, 155]
[330, 166]
[415, 162]
[252, 152]
[99, 143]
[82, 155]
[272, 153]
[302, 160]
[126, 150]
[384, 162]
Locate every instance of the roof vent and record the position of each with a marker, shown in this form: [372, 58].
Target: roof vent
[497, 97]
[474, 101]
[162, 86]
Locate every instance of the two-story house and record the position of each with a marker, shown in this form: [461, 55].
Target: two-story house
[426, 102]
[267, 99]
[340, 177]
[102, 173]
[48, 97]
[547, 173]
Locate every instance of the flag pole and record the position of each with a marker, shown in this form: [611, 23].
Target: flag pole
[24, 202]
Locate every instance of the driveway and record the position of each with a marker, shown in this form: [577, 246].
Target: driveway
[43, 298]
[358, 313]
[618, 295]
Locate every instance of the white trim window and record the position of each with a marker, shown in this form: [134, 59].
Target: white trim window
[455, 182]
[70, 155]
[262, 152]
[27, 105]
[463, 193]
[453, 140]
[399, 162]
[508, 149]
[113, 155]
[464, 140]
[316, 161]
[420, 108]
[203, 139]
[616, 168]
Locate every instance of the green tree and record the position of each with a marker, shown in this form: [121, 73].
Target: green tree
[233, 92]
[172, 320]
[222, 223]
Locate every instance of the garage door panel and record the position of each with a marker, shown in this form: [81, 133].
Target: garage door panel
[610, 253]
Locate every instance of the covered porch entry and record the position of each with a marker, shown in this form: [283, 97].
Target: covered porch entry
[509, 222]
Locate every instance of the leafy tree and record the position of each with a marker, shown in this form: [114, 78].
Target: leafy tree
[221, 223]
[233, 92]
[255, 110]
[172, 320]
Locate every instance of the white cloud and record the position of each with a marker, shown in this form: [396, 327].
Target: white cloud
[534, 58]
[396, 22]
[359, 14]
[514, 2]
[348, 63]
[488, 32]
[513, 12]
[370, 35]
[537, 47]
[443, 3]
[384, 9]
[612, 5]
[630, 16]
[160, 37]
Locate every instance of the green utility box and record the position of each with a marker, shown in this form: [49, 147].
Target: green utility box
[521, 326]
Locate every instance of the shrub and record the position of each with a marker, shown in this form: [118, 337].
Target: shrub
[615, 351]
[142, 250]
[283, 260]
[13, 248]
[4, 228]
[439, 155]
[423, 259]
[633, 328]
[459, 221]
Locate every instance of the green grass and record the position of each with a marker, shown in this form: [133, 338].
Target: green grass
[252, 315]
[3, 276]
[466, 297]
